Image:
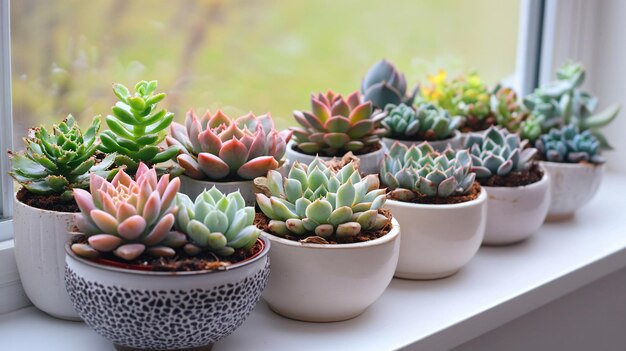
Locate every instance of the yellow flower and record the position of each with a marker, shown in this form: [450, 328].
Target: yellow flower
[440, 78]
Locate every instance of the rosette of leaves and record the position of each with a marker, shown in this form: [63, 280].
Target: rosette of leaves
[319, 201]
[216, 222]
[57, 161]
[506, 109]
[420, 170]
[137, 126]
[336, 125]
[426, 122]
[561, 102]
[217, 147]
[384, 84]
[568, 144]
[498, 152]
[128, 217]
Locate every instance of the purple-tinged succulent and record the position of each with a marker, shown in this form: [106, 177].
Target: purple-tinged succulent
[568, 145]
[127, 217]
[384, 84]
[217, 147]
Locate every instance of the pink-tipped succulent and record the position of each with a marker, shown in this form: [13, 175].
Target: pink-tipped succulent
[217, 147]
[128, 217]
[337, 125]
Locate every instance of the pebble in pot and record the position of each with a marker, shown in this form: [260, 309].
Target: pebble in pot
[226, 153]
[441, 209]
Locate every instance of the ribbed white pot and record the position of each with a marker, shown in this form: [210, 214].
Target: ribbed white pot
[454, 141]
[193, 187]
[370, 162]
[329, 282]
[437, 240]
[515, 213]
[145, 310]
[40, 238]
[572, 186]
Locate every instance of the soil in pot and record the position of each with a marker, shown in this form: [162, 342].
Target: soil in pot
[341, 152]
[51, 202]
[181, 262]
[514, 179]
[475, 124]
[262, 221]
[449, 200]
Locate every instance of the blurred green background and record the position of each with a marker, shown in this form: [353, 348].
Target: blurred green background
[241, 55]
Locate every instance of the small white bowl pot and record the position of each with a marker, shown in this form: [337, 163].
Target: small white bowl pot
[370, 162]
[40, 237]
[194, 187]
[572, 186]
[437, 240]
[516, 213]
[438, 145]
[145, 310]
[329, 282]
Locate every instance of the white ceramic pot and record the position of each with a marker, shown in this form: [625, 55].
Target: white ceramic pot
[329, 282]
[194, 187]
[515, 213]
[439, 145]
[572, 186]
[437, 240]
[370, 162]
[40, 238]
[144, 310]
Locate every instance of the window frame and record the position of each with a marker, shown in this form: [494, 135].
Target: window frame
[6, 121]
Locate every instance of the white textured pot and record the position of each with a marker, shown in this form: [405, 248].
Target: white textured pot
[329, 282]
[194, 187]
[144, 310]
[515, 213]
[437, 240]
[439, 145]
[572, 186]
[40, 238]
[370, 162]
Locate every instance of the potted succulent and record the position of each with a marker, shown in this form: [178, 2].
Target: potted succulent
[334, 250]
[136, 127]
[426, 122]
[384, 84]
[465, 96]
[226, 153]
[442, 211]
[54, 163]
[141, 284]
[574, 161]
[336, 126]
[518, 189]
[508, 112]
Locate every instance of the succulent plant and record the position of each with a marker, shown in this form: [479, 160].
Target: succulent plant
[319, 201]
[568, 144]
[426, 122]
[506, 109]
[462, 96]
[420, 170]
[58, 161]
[498, 152]
[384, 84]
[216, 222]
[136, 127]
[337, 125]
[127, 217]
[217, 147]
[562, 102]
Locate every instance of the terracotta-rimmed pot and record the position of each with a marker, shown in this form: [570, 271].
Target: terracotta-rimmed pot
[40, 237]
[369, 163]
[572, 186]
[329, 282]
[145, 310]
[194, 187]
[438, 240]
[439, 145]
[516, 213]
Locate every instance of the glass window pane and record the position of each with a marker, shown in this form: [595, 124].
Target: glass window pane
[245, 55]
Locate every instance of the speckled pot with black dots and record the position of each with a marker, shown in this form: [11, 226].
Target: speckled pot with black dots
[145, 310]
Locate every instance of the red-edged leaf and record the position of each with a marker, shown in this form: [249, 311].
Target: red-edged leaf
[361, 112]
[259, 145]
[321, 111]
[213, 166]
[191, 166]
[218, 119]
[361, 128]
[353, 100]
[234, 153]
[299, 116]
[257, 167]
[340, 108]
[338, 124]
[336, 140]
[315, 122]
[209, 142]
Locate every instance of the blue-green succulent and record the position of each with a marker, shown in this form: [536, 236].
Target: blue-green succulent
[425, 122]
[384, 84]
[568, 144]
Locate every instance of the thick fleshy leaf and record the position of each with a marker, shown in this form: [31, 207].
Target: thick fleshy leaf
[505, 168]
[160, 230]
[132, 227]
[361, 128]
[348, 229]
[233, 153]
[104, 242]
[319, 211]
[257, 167]
[447, 187]
[361, 112]
[213, 166]
[129, 252]
[320, 110]
[209, 142]
[191, 166]
[338, 124]
[336, 140]
[84, 201]
[106, 222]
[152, 208]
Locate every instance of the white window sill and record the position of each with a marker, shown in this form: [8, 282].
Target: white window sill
[499, 285]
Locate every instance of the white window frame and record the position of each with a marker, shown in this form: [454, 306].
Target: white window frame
[6, 126]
